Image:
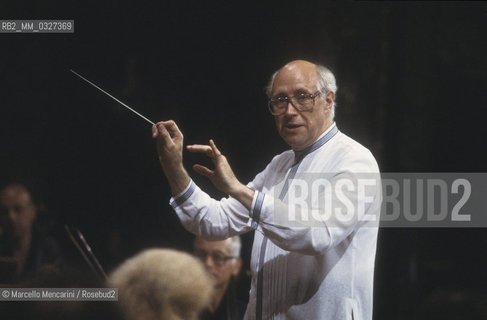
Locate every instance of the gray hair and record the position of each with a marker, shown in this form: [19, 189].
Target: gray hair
[326, 83]
[162, 284]
[235, 246]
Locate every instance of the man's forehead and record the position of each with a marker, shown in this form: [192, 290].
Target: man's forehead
[212, 245]
[295, 74]
[15, 192]
[299, 65]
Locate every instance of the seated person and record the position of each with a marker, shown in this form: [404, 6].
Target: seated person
[21, 240]
[223, 262]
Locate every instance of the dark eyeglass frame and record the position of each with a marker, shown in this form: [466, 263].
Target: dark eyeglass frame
[218, 259]
[290, 99]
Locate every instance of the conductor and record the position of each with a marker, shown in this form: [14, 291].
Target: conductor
[312, 261]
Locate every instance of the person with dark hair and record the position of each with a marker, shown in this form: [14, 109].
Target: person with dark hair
[315, 208]
[21, 240]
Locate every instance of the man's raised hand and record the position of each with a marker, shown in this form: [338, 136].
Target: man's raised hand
[169, 145]
[222, 175]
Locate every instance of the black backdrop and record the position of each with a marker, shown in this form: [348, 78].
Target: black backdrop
[411, 80]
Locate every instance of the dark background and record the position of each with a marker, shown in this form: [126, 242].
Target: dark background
[411, 80]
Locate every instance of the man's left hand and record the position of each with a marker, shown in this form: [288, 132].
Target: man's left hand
[222, 175]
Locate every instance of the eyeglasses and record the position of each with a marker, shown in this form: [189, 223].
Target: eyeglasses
[300, 102]
[217, 257]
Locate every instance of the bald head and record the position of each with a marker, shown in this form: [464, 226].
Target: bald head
[298, 70]
[301, 66]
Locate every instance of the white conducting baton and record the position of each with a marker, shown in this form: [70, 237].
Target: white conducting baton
[123, 104]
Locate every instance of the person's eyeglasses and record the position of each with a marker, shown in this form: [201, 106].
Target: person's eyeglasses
[217, 257]
[300, 102]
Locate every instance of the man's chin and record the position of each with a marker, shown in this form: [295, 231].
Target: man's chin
[293, 141]
[214, 278]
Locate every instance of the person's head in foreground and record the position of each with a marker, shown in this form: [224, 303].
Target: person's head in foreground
[162, 284]
[302, 99]
[222, 260]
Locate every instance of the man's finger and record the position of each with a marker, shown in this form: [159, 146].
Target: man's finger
[154, 131]
[199, 148]
[172, 128]
[214, 148]
[163, 132]
[203, 170]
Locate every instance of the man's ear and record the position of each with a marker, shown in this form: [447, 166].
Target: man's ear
[329, 98]
[237, 265]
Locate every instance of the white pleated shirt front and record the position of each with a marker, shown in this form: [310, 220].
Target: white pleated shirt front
[309, 270]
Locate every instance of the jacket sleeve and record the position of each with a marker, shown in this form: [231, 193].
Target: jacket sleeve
[212, 219]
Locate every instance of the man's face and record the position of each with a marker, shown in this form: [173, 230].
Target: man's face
[301, 129]
[220, 270]
[17, 212]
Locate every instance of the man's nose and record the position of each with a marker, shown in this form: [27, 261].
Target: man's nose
[290, 109]
[208, 261]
